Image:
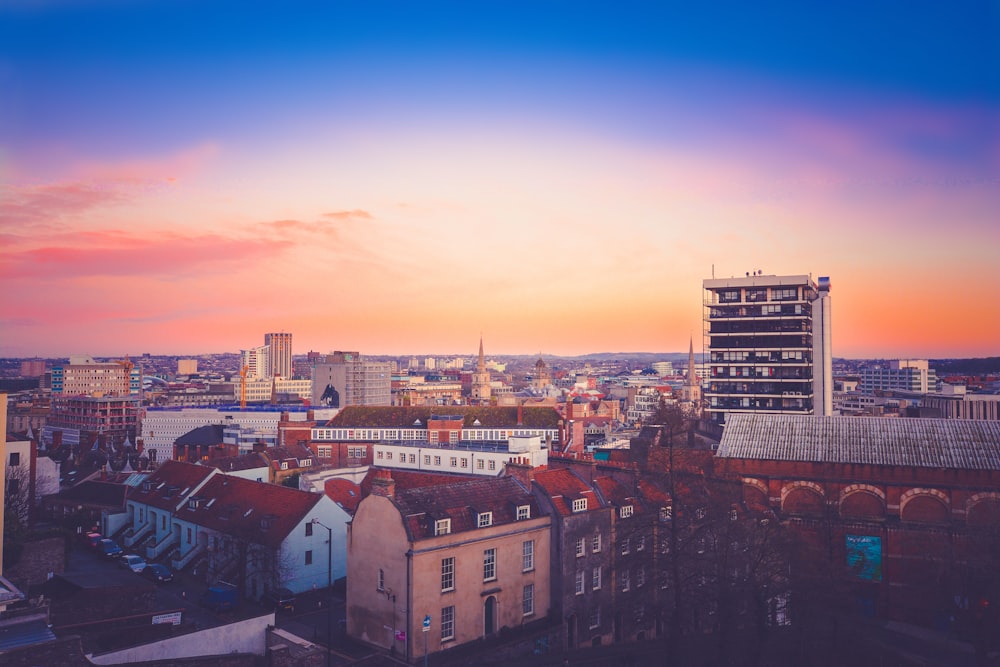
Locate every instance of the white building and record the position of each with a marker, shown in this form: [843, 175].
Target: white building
[259, 536]
[257, 362]
[279, 354]
[162, 426]
[912, 375]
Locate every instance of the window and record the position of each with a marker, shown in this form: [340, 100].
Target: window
[447, 574]
[309, 529]
[625, 580]
[732, 515]
[595, 543]
[523, 512]
[527, 555]
[489, 565]
[437, 460]
[493, 465]
[625, 512]
[640, 577]
[581, 547]
[388, 455]
[595, 617]
[447, 623]
[163, 522]
[465, 462]
[309, 558]
[580, 505]
[413, 458]
[479, 464]
[15, 458]
[378, 455]
[427, 459]
[626, 546]
[666, 513]
[640, 543]
[485, 519]
[579, 582]
[528, 600]
[595, 578]
[380, 585]
[454, 461]
[700, 513]
[442, 526]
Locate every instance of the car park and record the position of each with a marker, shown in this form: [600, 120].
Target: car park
[109, 548]
[133, 562]
[161, 574]
[280, 599]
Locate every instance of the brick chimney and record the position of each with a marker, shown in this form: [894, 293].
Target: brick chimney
[383, 484]
[520, 413]
[520, 469]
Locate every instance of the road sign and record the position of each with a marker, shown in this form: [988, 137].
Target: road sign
[427, 623]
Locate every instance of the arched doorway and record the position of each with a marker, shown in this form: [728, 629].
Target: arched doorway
[490, 616]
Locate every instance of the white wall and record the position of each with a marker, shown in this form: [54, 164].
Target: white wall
[249, 636]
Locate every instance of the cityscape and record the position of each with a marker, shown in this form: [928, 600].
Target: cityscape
[389, 334]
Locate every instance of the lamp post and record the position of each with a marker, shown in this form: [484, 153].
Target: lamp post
[329, 589]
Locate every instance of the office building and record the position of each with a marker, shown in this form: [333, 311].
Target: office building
[83, 376]
[256, 362]
[347, 378]
[769, 344]
[187, 366]
[280, 354]
[911, 375]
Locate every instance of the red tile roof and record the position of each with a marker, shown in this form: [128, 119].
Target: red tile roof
[167, 486]
[402, 417]
[562, 487]
[256, 511]
[344, 492]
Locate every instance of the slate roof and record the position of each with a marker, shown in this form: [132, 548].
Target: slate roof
[210, 435]
[295, 453]
[168, 485]
[242, 462]
[403, 417]
[920, 443]
[462, 502]
[260, 512]
[411, 479]
[563, 487]
[95, 493]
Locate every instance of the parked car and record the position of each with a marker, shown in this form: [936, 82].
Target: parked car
[91, 539]
[280, 599]
[161, 574]
[220, 597]
[109, 548]
[133, 562]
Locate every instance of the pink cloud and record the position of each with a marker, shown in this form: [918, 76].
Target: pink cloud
[52, 204]
[114, 253]
[168, 168]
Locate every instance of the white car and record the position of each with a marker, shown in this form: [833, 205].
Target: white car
[133, 562]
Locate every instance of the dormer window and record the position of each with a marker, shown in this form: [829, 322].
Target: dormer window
[625, 511]
[485, 519]
[284, 465]
[194, 503]
[523, 512]
[442, 526]
[666, 513]
[580, 505]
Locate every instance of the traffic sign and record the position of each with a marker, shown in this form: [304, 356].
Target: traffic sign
[427, 623]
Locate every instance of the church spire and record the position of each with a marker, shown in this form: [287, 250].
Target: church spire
[482, 358]
[692, 374]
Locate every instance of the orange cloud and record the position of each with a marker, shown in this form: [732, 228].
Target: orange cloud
[30, 206]
[356, 214]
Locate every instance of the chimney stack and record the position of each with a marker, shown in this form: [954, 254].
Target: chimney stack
[383, 484]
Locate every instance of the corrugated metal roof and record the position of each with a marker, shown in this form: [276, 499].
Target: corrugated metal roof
[923, 443]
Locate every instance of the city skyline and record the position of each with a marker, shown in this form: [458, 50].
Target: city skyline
[180, 178]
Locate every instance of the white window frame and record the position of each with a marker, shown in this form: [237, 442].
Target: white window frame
[490, 564]
[527, 555]
[523, 512]
[447, 623]
[595, 543]
[485, 519]
[580, 505]
[625, 511]
[447, 574]
[442, 527]
[581, 547]
[595, 578]
[580, 588]
[528, 600]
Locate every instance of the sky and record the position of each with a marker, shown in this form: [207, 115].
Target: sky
[559, 177]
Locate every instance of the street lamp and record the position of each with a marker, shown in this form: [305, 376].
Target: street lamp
[329, 589]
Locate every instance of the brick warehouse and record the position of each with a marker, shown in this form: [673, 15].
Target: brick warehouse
[905, 511]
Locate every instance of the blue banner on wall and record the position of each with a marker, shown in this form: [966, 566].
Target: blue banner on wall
[864, 556]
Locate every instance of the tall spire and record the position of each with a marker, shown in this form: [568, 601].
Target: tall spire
[482, 358]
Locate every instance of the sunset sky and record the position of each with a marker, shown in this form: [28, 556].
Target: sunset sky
[558, 177]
